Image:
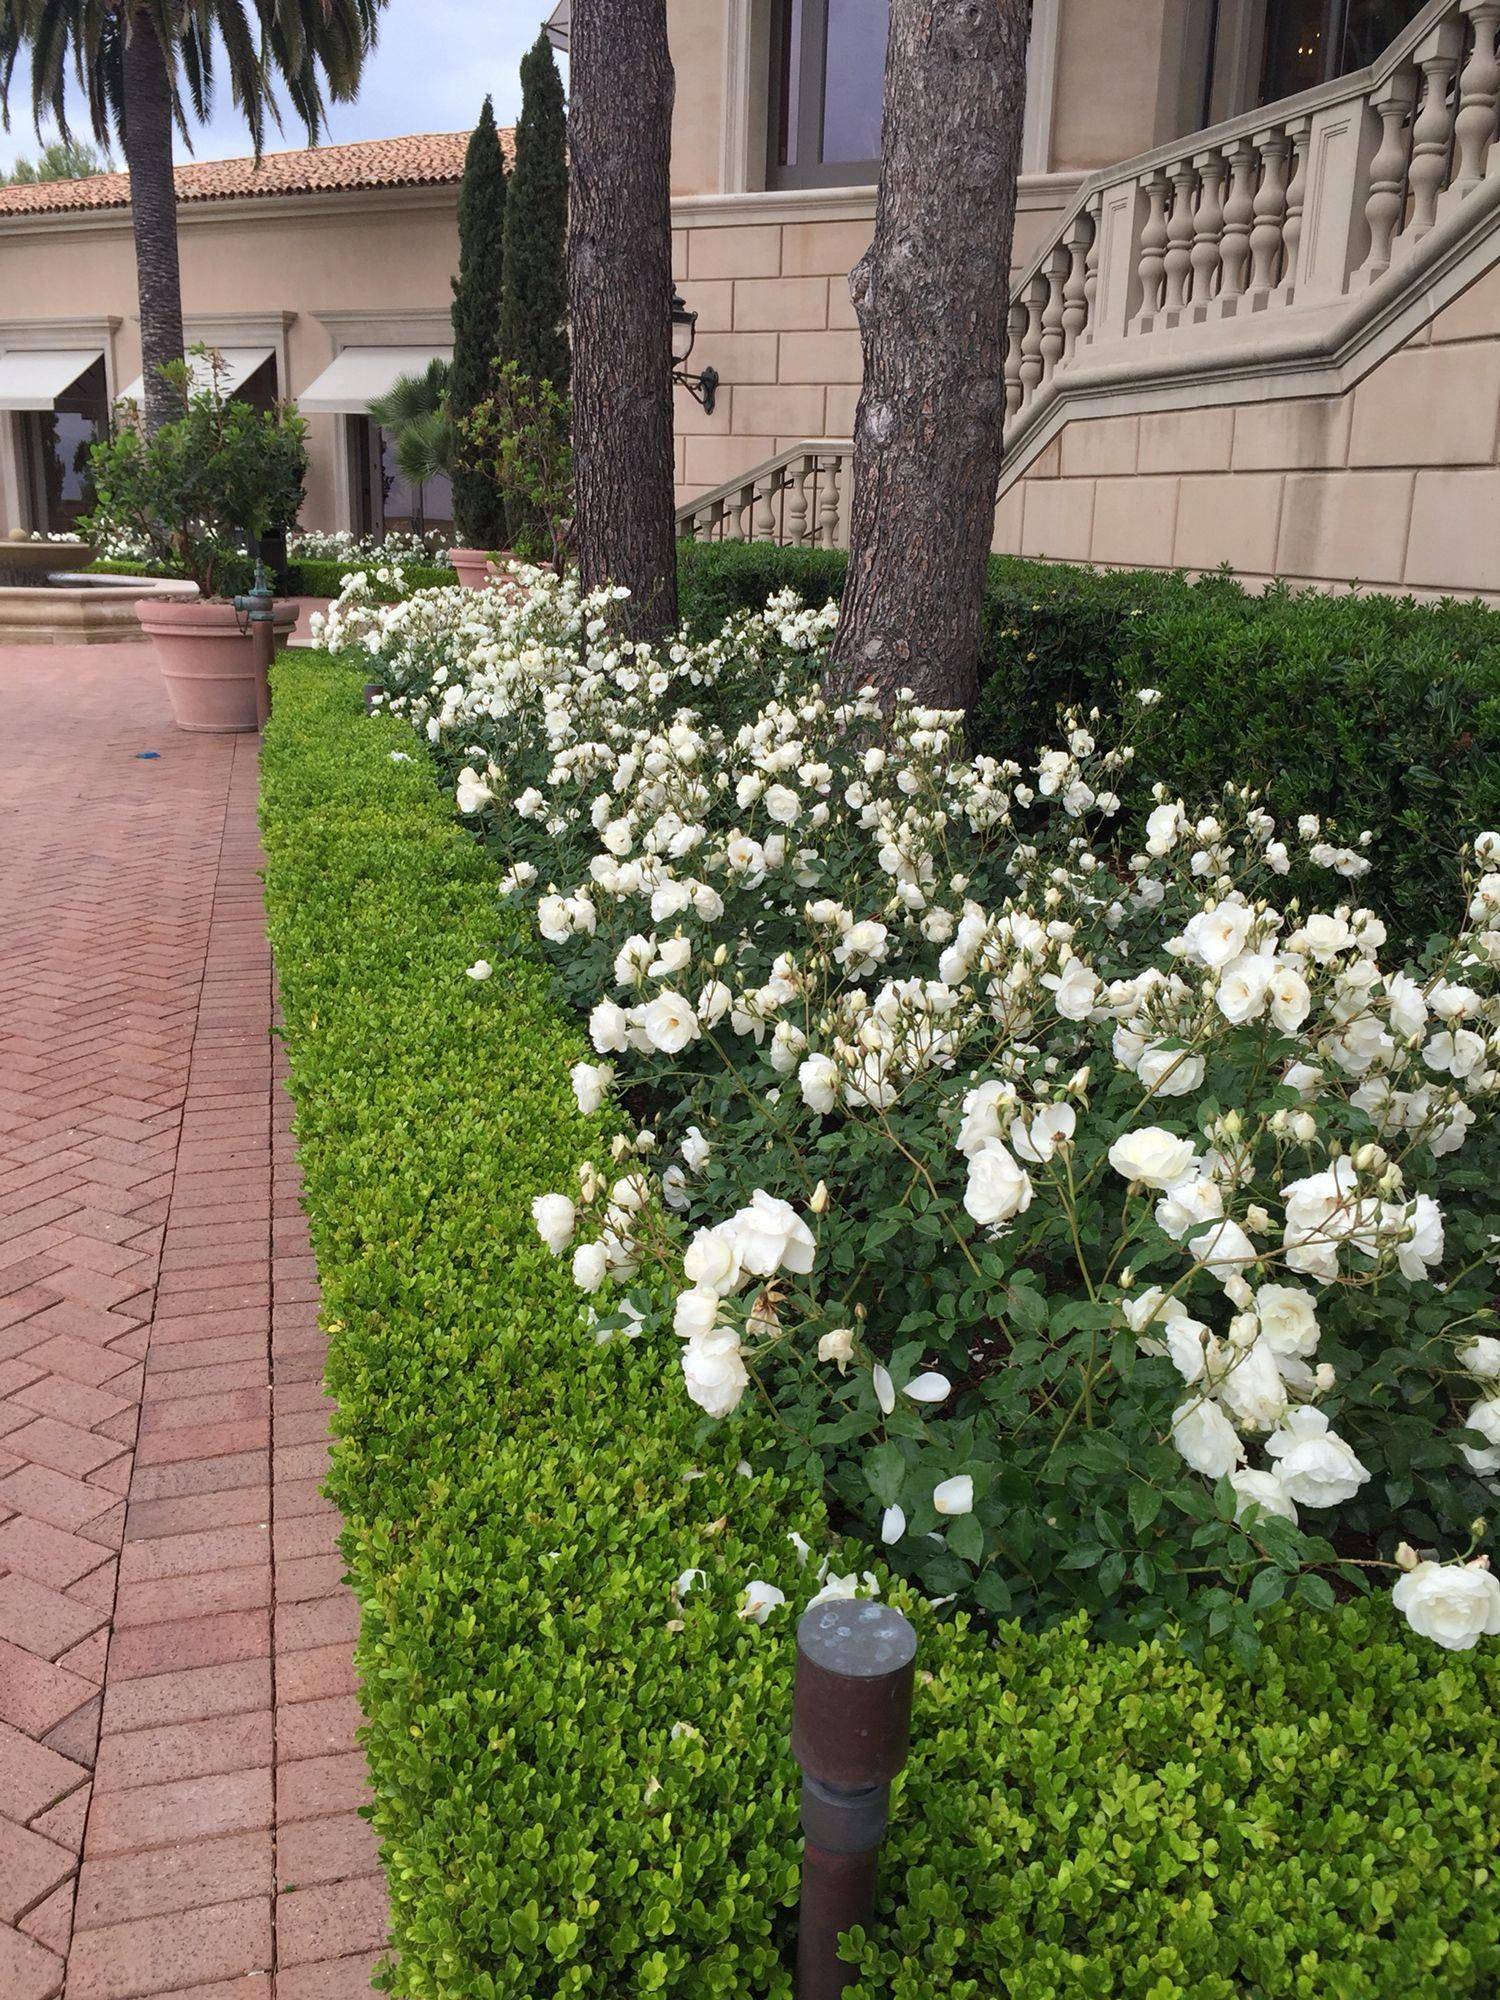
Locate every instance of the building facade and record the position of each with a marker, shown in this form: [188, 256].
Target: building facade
[1254, 317]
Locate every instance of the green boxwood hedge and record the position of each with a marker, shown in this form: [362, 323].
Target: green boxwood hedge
[1374, 711]
[582, 1787]
[310, 577]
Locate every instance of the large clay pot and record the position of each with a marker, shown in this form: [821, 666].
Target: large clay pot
[475, 567]
[207, 660]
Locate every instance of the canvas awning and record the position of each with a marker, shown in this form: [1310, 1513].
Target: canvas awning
[558, 25]
[238, 365]
[32, 378]
[357, 376]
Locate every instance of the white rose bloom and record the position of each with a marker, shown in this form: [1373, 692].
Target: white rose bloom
[1484, 1417]
[696, 1314]
[695, 1149]
[771, 1237]
[782, 803]
[480, 969]
[1407, 1005]
[555, 1218]
[758, 1600]
[862, 948]
[1163, 830]
[1166, 1071]
[1153, 1157]
[1422, 1249]
[1074, 991]
[1263, 1490]
[712, 1259]
[713, 1371]
[1251, 1387]
[892, 1525]
[1216, 936]
[819, 1081]
[608, 1028]
[1205, 1437]
[591, 1082]
[1455, 1605]
[670, 1023]
[954, 1496]
[837, 1346]
[982, 1121]
[714, 1002]
[998, 1189]
[1036, 1139]
[590, 1266]
[1481, 1358]
[1189, 1206]
[1317, 1468]
[1224, 1249]
[1287, 1319]
[1244, 986]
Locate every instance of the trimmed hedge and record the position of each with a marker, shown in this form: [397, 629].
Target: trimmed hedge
[1372, 712]
[310, 576]
[1075, 1821]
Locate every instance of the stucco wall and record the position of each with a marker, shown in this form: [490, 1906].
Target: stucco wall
[1394, 484]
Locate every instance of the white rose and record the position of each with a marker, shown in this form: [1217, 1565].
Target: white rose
[1035, 1140]
[1484, 1417]
[954, 1496]
[590, 1083]
[1481, 1358]
[998, 1189]
[982, 1108]
[555, 1218]
[1166, 1071]
[1074, 991]
[1224, 1249]
[1291, 1002]
[1206, 1438]
[1244, 985]
[837, 1346]
[1188, 1206]
[695, 1149]
[771, 1236]
[1317, 1468]
[479, 970]
[1252, 1388]
[1452, 1604]
[712, 1260]
[714, 1372]
[1153, 1157]
[1216, 936]
[1287, 1319]
[782, 803]
[590, 1266]
[669, 1023]
[1263, 1490]
[608, 1028]
[819, 1081]
[1423, 1246]
[695, 1314]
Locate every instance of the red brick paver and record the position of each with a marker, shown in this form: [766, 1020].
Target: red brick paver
[179, 1778]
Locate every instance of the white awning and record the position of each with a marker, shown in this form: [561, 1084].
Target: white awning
[357, 376]
[238, 365]
[559, 24]
[32, 378]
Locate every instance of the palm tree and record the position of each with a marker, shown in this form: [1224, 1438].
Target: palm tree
[143, 66]
[415, 412]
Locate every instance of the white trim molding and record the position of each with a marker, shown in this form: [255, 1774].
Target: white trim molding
[1041, 85]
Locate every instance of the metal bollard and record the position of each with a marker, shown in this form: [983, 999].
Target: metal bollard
[851, 1727]
[258, 606]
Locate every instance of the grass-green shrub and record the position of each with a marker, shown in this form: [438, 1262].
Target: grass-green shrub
[1374, 711]
[1075, 1821]
[310, 576]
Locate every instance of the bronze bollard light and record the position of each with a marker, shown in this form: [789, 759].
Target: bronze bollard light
[851, 1726]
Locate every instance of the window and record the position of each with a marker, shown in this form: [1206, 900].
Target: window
[384, 499]
[1310, 41]
[56, 444]
[827, 88]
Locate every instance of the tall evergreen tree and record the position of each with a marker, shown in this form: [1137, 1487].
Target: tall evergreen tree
[534, 295]
[478, 508]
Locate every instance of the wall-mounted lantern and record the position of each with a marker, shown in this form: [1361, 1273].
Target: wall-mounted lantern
[704, 387]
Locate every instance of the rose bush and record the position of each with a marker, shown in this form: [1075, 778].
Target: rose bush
[1108, 1228]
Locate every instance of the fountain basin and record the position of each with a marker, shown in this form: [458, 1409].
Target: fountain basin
[70, 608]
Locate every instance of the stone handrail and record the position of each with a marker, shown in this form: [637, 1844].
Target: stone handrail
[1291, 209]
[799, 498]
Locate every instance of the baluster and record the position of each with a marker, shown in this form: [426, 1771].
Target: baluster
[1075, 311]
[828, 503]
[1432, 133]
[1052, 311]
[1015, 331]
[1209, 232]
[1239, 213]
[763, 493]
[1387, 197]
[1478, 96]
[1296, 196]
[1178, 262]
[1031, 343]
[1091, 272]
[1153, 250]
[796, 503]
[1270, 208]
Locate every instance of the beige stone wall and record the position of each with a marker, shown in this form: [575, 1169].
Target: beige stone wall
[1395, 484]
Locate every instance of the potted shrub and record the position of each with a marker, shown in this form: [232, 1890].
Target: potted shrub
[215, 476]
[520, 439]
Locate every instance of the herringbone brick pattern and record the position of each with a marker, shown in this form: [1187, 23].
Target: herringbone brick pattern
[179, 1779]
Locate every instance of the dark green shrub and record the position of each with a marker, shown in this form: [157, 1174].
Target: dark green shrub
[1075, 1821]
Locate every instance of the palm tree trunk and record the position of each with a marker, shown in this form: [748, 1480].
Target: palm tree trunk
[153, 209]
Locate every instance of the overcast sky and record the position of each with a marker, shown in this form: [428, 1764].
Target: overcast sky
[429, 73]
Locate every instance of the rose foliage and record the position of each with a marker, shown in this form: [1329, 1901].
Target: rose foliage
[1108, 1229]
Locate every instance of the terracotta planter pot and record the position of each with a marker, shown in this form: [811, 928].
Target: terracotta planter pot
[474, 567]
[208, 661]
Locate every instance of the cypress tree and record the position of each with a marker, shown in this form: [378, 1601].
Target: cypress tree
[534, 295]
[479, 510]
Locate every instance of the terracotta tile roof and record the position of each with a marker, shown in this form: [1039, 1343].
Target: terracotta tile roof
[423, 159]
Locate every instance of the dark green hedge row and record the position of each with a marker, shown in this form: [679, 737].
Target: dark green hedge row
[1369, 711]
[309, 577]
[582, 1787]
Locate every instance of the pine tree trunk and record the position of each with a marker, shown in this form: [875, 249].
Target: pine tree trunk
[931, 294]
[153, 208]
[620, 293]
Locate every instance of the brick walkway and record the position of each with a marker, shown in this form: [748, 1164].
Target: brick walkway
[178, 1771]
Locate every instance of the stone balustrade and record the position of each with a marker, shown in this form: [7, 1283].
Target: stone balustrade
[799, 498]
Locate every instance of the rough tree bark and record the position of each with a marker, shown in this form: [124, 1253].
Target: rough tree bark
[619, 296]
[147, 140]
[931, 294]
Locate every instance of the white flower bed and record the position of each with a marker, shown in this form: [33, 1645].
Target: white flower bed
[1110, 1232]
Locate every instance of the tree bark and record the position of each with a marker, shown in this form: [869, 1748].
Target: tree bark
[147, 138]
[619, 295]
[931, 294]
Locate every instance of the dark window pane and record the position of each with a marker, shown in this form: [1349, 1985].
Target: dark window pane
[789, 80]
[854, 78]
[1371, 26]
[61, 441]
